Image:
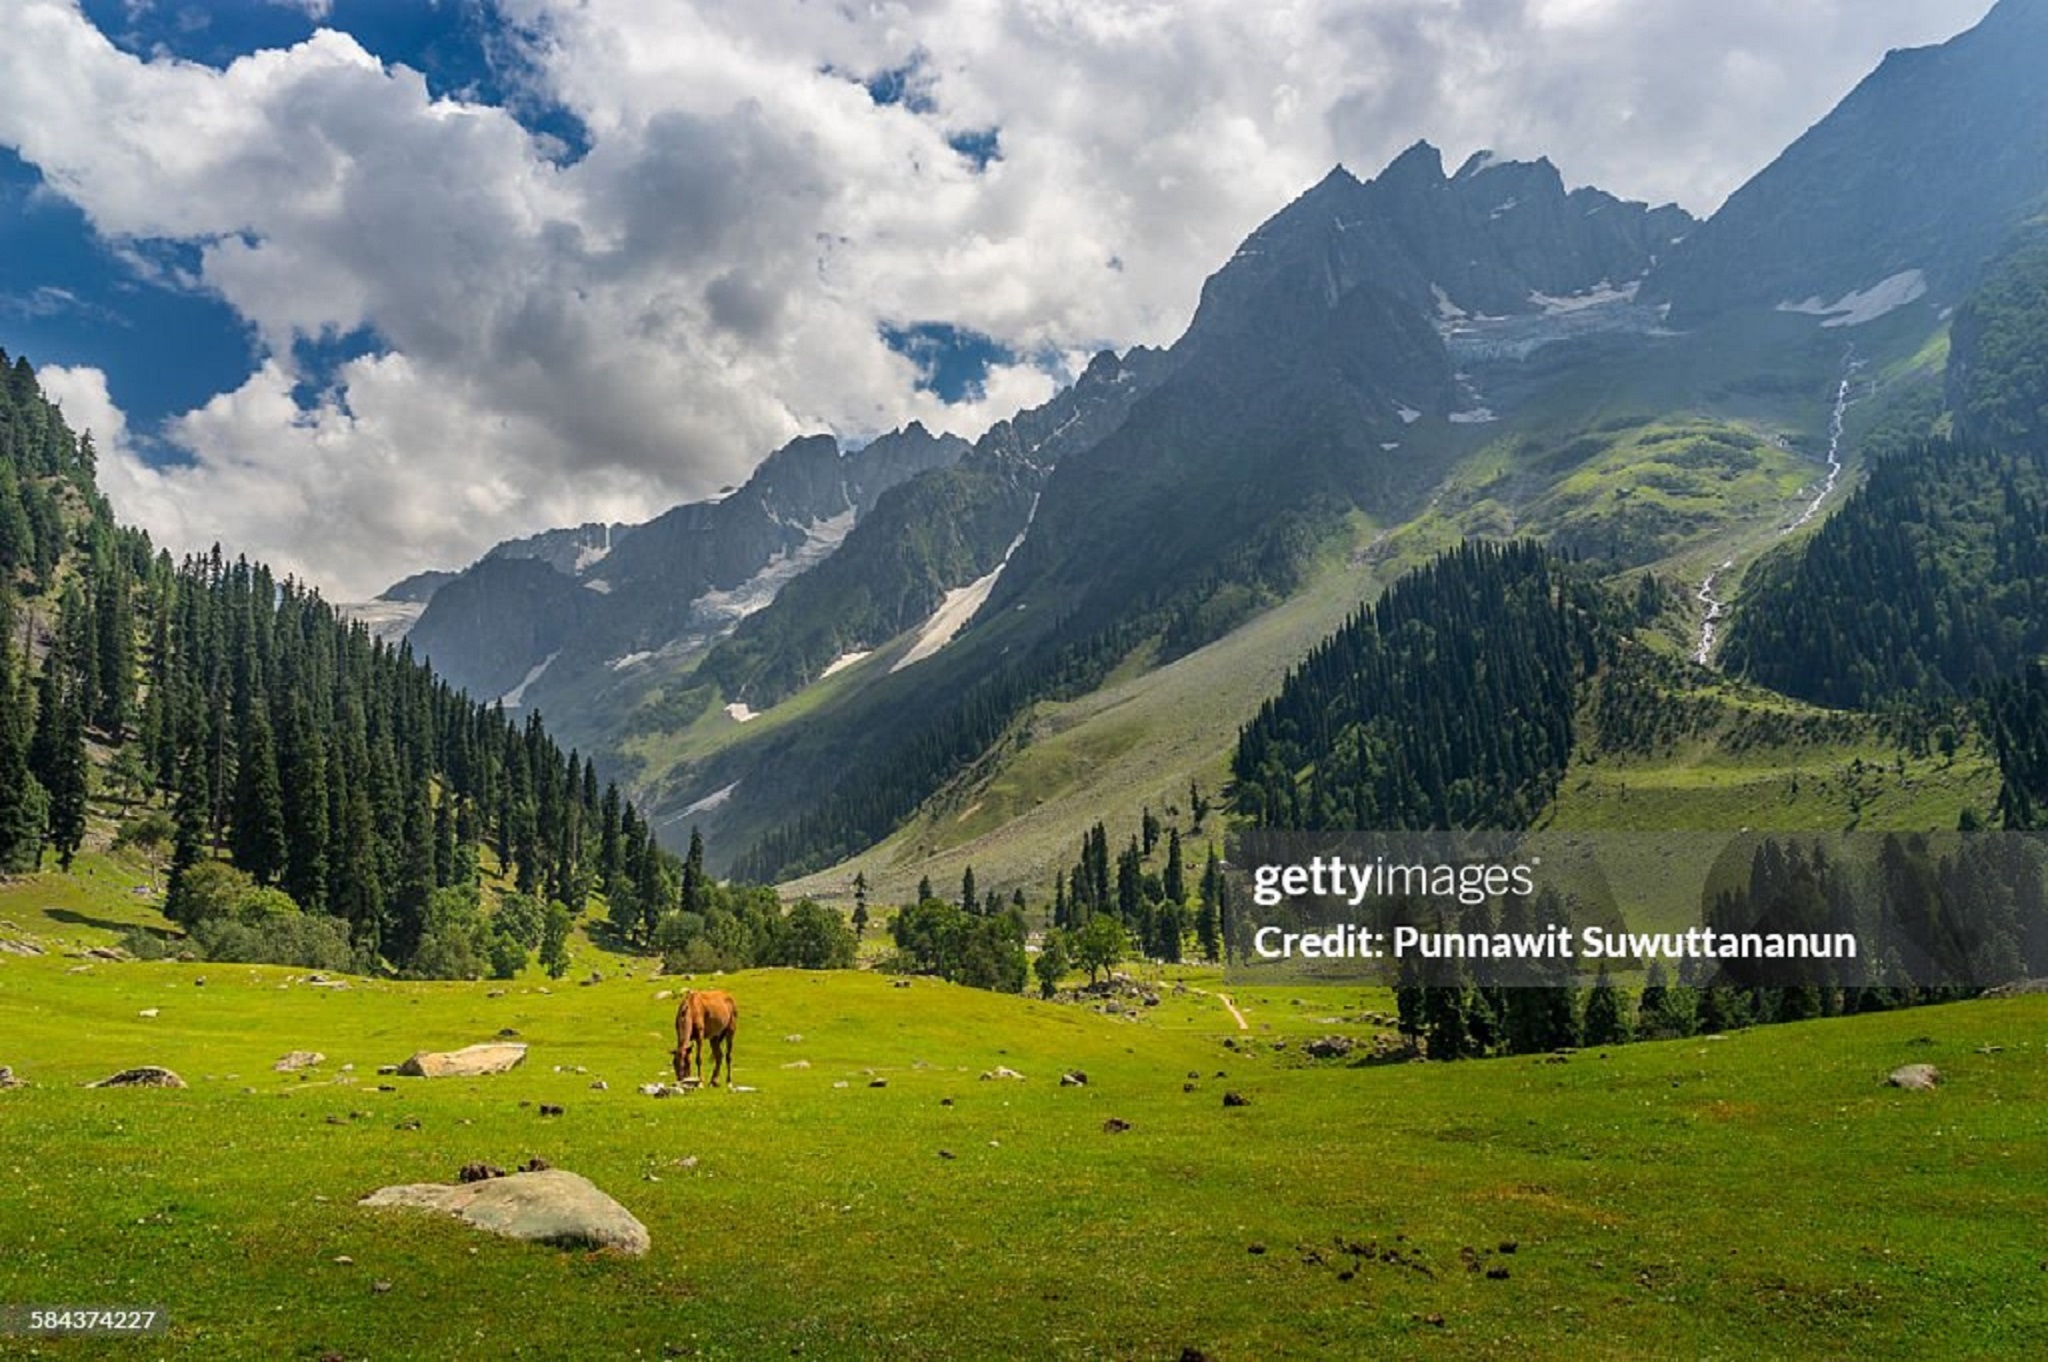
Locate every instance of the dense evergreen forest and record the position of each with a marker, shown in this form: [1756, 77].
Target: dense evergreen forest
[1928, 582]
[1448, 703]
[285, 761]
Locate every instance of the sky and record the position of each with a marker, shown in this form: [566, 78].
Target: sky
[362, 287]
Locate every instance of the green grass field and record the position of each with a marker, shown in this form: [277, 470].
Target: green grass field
[1762, 1195]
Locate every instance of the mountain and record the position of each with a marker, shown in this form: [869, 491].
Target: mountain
[1316, 382]
[1905, 189]
[1385, 367]
[590, 595]
[936, 539]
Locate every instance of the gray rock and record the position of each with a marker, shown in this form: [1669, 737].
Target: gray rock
[147, 1076]
[1330, 1047]
[554, 1206]
[299, 1059]
[1915, 1077]
[1075, 1079]
[8, 1080]
[470, 1062]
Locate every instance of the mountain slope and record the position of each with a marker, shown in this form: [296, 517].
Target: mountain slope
[1314, 383]
[678, 581]
[1831, 228]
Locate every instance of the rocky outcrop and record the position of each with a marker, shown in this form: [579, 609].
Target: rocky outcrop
[472, 1061]
[553, 1206]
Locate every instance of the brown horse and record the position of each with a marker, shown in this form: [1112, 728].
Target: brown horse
[708, 1015]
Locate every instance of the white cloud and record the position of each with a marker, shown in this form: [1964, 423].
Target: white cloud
[607, 337]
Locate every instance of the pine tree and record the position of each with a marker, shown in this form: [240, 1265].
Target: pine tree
[1176, 875]
[260, 846]
[969, 904]
[1209, 922]
[860, 905]
[1606, 1016]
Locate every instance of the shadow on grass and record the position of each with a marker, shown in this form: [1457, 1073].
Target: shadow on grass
[73, 918]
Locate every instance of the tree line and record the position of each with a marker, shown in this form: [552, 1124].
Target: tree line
[239, 718]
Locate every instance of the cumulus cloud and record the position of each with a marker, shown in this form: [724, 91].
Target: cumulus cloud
[561, 340]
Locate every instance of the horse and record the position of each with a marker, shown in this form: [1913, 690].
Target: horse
[708, 1015]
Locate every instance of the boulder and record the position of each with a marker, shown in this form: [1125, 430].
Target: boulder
[8, 1080]
[1330, 1047]
[147, 1076]
[552, 1206]
[1074, 1079]
[470, 1062]
[1915, 1077]
[20, 948]
[1002, 1071]
[299, 1059]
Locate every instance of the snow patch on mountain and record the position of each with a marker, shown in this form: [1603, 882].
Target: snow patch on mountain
[599, 585]
[516, 696]
[590, 555]
[1864, 305]
[739, 712]
[1475, 417]
[842, 662]
[619, 664]
[1409, 416]
[706, 804]
[1600, 295]
[386, 620]
[720, 608]
[959, 605]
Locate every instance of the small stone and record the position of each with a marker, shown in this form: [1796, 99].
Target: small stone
[1115, 1125]
[598, 1085]
[794, 1039]
[380, 1287]
[1496, 1274]
[299, 1059]
[1076, 1079]
[798, 1064]
[147, 1012]
[1236, 1099]
[344, 1260]
[878, 1082]
[947, 1154]
[550, 1109]
[1256, 1250]
[945, 1101]
[409, 1123]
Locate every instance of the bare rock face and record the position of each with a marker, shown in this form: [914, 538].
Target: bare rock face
[147, 1076]
[470, 1062]
[553, 1206]
[1915, 1077]
[299, 1059]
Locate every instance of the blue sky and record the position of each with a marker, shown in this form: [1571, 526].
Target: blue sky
[364, 286]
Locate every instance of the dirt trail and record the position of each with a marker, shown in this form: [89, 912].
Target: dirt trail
[1242, 1024]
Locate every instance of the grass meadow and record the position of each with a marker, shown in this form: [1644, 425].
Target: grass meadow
[1759, 1195]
